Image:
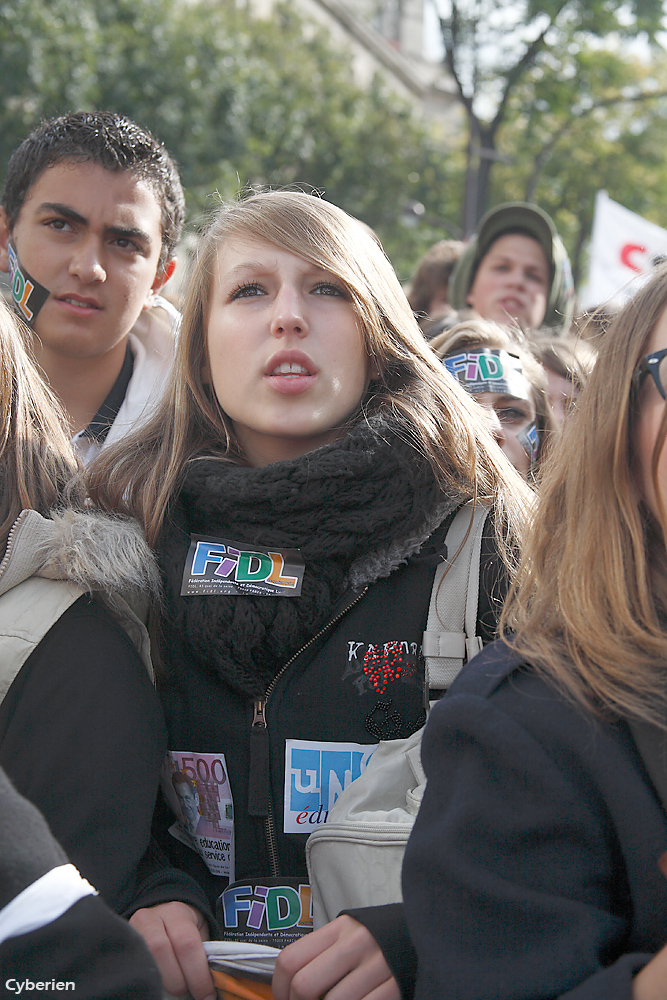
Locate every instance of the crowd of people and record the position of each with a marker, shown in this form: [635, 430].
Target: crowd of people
[221, 524]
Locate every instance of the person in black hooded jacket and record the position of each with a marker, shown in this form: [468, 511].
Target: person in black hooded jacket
[82, 734]
[297, 485]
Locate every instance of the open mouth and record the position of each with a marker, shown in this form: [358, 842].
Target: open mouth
[512, 305]
[290, 369]
[290, 364]
[291, 372]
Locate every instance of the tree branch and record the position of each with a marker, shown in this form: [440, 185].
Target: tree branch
[514, 74]
[554, 139]
[450, 34]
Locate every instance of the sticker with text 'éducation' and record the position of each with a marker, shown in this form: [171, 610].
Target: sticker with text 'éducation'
[316, 773]
[220, 566]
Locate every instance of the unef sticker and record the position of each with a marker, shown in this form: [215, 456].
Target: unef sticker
[274, 913]
[220, 566]
[315, 775]
[488, 371]
[196, 787]
[28, 295]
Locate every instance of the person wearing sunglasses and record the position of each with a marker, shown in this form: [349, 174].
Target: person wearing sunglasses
[537, 865]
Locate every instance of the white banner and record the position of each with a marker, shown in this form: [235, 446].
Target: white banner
[624, 248]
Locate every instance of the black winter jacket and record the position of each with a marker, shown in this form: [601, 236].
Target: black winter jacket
[531, 872]
[323, 695]
[83, 948]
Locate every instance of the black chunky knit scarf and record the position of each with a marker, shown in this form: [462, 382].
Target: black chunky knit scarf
[356, 509]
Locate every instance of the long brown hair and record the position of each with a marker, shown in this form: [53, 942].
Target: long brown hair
[36, 460]
[589, 605]
[142, 475]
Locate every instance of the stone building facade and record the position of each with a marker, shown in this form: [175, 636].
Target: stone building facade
[386, 36]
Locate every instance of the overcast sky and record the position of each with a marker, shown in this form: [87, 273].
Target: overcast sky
[432, 37]
[433, 40]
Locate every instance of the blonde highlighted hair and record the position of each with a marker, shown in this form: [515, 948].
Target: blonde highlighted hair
[143, 474]
[37, 463]
[589, 605]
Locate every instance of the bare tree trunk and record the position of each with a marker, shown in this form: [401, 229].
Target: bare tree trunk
[481, 159]
[487, 160]
[471, 198]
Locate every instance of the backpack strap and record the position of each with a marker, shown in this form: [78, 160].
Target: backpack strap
[30, 609]
[27, 612]
[451, 629]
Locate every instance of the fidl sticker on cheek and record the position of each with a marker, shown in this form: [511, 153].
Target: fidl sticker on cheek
[28, 295]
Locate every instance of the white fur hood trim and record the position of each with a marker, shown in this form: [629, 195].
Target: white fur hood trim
[98, 552]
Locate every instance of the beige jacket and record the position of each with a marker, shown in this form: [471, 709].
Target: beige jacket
[49, 563]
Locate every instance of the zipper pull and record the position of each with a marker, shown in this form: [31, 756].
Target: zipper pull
[259, 713]
[258, 777]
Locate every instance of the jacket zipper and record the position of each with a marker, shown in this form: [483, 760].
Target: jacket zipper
[13, 531]
[259, 720]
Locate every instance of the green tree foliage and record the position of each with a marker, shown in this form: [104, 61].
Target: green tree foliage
[237, 100]
[586, 120]
[541, 55]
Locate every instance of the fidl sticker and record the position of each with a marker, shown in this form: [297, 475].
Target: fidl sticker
[275, 912]
[221, 566]
[28, 295]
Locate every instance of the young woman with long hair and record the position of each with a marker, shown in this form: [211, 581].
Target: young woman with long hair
[297, 484]
[535, 864]
[76, 698]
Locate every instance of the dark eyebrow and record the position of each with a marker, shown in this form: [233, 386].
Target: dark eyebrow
[504, 255]
[130, 234]
[120, 232]
[64, 210]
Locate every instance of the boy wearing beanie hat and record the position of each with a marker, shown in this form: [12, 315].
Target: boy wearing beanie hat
[515, 270]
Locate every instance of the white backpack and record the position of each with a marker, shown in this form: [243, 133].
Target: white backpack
[355, 858]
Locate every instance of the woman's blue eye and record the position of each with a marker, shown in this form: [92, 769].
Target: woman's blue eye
[329, 288]
[246, 291]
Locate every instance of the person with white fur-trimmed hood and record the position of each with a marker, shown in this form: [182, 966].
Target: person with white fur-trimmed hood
[81, 729]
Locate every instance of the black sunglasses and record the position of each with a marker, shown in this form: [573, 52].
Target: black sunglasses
[651, 364]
